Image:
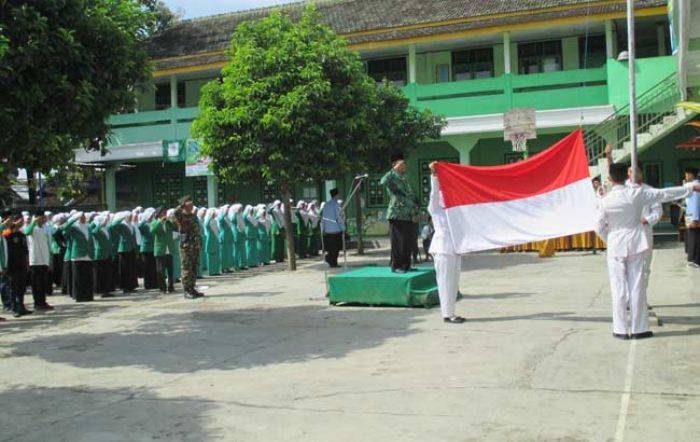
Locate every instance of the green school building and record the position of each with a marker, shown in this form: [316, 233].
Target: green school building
[470, 61]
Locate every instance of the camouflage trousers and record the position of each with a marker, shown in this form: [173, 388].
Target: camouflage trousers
[189, 258]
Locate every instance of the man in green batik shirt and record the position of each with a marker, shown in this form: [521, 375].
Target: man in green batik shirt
[402, 214]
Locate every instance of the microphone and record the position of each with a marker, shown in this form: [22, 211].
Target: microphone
[361, 177]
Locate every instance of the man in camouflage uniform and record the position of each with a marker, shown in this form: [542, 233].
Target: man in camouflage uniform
[190, 244]
[402, 214]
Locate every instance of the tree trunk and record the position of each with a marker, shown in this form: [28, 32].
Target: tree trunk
[358, 218]
[31, 186]
[291, 255]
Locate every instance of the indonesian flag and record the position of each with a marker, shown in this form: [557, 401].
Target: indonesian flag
[546, 196]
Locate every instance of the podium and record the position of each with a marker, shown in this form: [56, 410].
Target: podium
[378, 286]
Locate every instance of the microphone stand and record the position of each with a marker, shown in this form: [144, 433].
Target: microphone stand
[357, 182]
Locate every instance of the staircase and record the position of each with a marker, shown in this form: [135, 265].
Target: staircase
[657, 116]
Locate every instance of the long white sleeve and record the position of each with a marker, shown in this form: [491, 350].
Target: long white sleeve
[434, 201]
[654, 215]
[650, 196]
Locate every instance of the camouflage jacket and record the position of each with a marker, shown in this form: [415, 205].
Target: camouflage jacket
[189, 230]
[402, 200]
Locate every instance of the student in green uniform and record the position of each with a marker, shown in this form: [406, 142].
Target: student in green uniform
[146, 248]
[123, 227]
[79, 255]
[277, 232]
[225, 239]
[101, 256]
[251, 233]
[174, 247]
[162, 230]
[201, 213]
[263, 243]
[301, 230]
[211, 243]
[238, 228]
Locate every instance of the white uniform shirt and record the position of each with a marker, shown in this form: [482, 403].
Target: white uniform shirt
[39, 253]
[620, 216]
[442, 239]
[652, 214]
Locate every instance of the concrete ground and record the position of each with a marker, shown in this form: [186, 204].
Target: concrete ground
[264, 357]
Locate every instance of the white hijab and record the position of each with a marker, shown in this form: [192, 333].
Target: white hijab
[211, 216]
[235, 212]
[248, 214]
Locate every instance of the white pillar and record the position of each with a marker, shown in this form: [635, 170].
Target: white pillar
[173, 91]
[412, 63]
[212, 191]
[506, 52]
[609, 40]
[111, 188]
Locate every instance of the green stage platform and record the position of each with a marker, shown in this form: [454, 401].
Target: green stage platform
[379, 286]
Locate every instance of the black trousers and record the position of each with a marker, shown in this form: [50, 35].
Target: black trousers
[114, 268]
[83, 289]
[102, 276]
[333, 243]
[40, 281]
[403, 241]
[149, 271]
[66, 280]
[692, 245]
[18, 285]
[5, 292]
[57, 268]
[164, 266]
[127, 271]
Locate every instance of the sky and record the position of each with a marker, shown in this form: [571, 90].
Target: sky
[198, 8]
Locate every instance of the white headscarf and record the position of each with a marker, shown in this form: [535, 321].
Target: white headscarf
[201, 213]
[239, 216]
[211, 216]
[248, 214]
[313, 214]
[261, 213]
[278, 212]
[301, 207]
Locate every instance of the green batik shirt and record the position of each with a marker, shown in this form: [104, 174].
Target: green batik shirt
[402, 200]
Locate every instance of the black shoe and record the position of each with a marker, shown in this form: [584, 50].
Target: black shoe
[198, 294]
[171, 290]
[190, 296]
[454, 320]
[16, 314]
[398, 271]
[412, 269]
[643, 335]
[24, 312]
[2, 319]
[623, 336]
[43, 308]
[107, 295]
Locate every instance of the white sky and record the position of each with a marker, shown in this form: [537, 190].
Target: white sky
[198, 8]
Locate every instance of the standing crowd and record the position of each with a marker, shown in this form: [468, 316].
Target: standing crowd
[83, 253]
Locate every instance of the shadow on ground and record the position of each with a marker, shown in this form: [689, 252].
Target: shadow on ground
[228, 339]
[92, 414]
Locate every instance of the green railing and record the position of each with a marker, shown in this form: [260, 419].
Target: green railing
[653, 105]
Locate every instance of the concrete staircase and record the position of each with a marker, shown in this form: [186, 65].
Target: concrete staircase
[658, 116]
[654, 132]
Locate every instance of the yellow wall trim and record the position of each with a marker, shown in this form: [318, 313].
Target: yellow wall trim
[189, 69]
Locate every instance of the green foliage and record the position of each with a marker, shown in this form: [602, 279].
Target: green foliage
[161, 16]
[294, 104]
[68, 66]
[71, 182]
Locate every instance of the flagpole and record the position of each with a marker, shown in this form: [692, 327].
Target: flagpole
[632, 86]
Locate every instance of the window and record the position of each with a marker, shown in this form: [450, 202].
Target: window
[391, 69]
[269, 192]
[591, 51]
[442, 73]
[310, 192]
[376, 193]
[163, 95]
[652, 174]
[472, 64]
[544, 56]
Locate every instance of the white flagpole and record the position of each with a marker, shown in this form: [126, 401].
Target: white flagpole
[632, 85]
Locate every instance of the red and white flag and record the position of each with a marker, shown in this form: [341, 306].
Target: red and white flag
[546, 196]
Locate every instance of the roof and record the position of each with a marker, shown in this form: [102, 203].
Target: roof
[363, 21]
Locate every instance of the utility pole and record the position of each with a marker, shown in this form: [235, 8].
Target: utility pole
[633, 97]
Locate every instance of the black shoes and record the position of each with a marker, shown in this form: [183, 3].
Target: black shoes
[402, 271]
[21, 313]
[623, 336]
[454, 320]
[194, 295]
[43, 308]
[643, 335]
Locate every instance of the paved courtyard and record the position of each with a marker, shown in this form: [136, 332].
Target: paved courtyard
[264, 357]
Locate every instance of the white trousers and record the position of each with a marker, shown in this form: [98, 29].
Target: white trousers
[648, 255]
[447, 269]
[627, 283]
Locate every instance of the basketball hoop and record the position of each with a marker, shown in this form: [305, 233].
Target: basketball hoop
[519, 126]
[519, 141]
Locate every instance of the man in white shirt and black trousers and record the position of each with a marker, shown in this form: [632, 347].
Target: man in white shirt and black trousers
[39, 261]
[620, 226]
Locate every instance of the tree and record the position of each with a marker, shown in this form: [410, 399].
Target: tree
[293, 104]
[68, 65]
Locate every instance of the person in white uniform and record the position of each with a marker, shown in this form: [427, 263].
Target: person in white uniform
[448, 264]
[620, 226]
